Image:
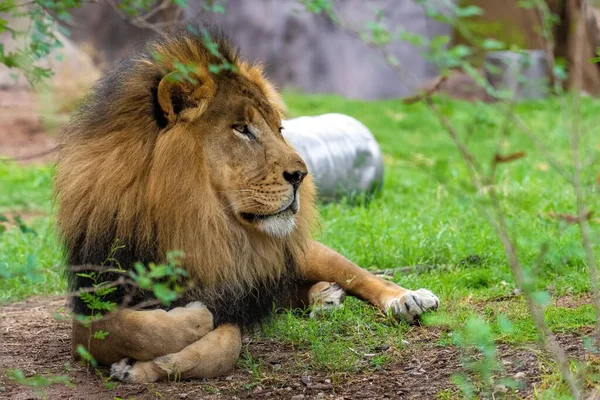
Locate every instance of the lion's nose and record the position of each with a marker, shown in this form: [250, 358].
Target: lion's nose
[295, 178]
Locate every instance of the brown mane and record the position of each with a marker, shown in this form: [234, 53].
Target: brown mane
[119, 179]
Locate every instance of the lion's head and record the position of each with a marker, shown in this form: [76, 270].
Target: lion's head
[180, 148]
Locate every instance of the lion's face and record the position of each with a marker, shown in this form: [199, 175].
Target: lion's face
[255, 174]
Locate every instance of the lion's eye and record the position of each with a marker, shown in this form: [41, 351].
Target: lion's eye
[244, 130]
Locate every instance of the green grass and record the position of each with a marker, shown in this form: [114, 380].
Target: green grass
[25, 188]
[427, 213]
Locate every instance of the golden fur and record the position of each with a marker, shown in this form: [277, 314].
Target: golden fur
[150, 186]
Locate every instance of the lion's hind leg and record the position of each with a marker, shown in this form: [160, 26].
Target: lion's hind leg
[143, 334]
[214, 355]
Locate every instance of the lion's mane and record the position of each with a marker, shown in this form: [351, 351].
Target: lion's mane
[126, 195]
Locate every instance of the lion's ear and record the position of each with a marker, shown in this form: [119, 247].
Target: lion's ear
[185, 95]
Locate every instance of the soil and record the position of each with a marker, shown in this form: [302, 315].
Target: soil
[25, 135]
[35, 338]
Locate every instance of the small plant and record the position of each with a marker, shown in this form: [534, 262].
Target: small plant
[38, 381]
[479, 359]
[253, 365]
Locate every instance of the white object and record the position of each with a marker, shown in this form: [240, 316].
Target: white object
[340, 152]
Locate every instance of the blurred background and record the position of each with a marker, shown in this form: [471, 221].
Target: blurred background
[308, 46]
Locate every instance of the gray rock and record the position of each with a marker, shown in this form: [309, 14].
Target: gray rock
[300, 50]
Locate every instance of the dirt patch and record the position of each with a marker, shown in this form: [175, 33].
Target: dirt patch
[34, 340]
[572, 301]
[21, 219]
[24, 132]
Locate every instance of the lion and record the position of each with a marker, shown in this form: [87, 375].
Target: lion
[180, 147]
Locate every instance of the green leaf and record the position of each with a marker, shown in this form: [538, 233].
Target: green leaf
[100, 334]
[86, 355]
[469, 11]
[37, 380]
[542, 298]
[160, 271]
[214, 69]
[144, 282]
[526, 4]
[505, 325]
[492, 44]
[460, 51]
[164, 294]
[414, 39]
[440, 41]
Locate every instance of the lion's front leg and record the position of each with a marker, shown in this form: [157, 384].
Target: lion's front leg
[143, 334]
[324, 264]
[214, 355]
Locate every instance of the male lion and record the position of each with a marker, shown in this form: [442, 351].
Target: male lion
[169, 153]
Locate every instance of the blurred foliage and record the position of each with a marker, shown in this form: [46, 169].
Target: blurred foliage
[38, 39]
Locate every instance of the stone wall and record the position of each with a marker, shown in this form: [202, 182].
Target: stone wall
[300, 50]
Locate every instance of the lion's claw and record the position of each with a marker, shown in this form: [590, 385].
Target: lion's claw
[412, 304]
[330, 298]
[120, 371]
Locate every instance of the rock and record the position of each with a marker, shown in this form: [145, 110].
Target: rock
[519, 375]
[500, 389]
[297, 397]
[382, 347]
[299, 49]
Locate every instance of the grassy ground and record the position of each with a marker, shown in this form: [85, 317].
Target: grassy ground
[426, 214]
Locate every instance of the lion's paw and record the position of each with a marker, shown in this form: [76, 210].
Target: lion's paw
[327, 298]
[121, 370]
[412, 304]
